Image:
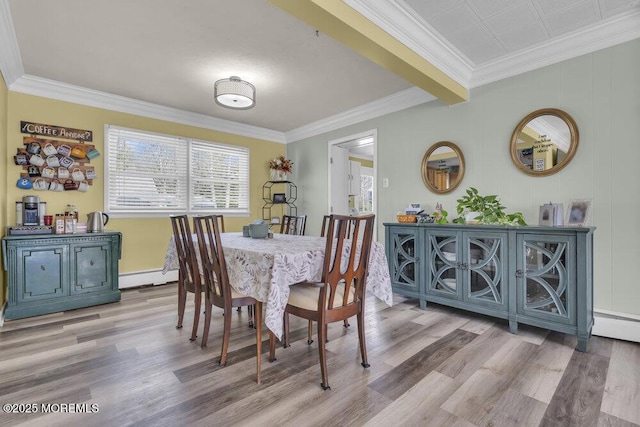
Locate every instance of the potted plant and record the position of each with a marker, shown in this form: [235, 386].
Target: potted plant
[473, 207]
[440, 215]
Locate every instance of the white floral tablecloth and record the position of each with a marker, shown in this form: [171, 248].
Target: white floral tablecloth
[265, 268]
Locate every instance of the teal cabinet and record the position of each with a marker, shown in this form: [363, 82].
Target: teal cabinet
[46, 274]
[540, 276]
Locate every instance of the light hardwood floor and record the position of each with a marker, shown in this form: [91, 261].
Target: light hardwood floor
[431, 367]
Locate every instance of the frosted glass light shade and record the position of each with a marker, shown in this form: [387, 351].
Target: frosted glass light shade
[235, 93]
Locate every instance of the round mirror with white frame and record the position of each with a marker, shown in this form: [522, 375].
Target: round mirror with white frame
[544, 142]
[442, 167]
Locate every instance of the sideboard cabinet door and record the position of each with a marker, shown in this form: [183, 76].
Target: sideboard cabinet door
[90, 267]
[485, 269]
[545, 278]
[404, 254]
[41, 274]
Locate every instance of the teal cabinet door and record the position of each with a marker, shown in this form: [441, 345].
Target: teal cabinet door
[41, 274]
[90, 267]
[404, 255]
[545, 277]
[445, 253]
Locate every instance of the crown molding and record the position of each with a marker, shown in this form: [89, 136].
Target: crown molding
[37, 86]
[417, 35]
[389, 104]
[10, 60]
[607, 33]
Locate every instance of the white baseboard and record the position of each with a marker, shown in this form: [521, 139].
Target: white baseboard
[621, 327]
[142, 278]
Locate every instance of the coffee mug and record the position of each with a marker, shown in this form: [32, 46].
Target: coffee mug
[83, 186]
[33, 170]
[40, 184]
[92, 153]
[63, 173]
[78, 152]
[56, 185]
[48, 172]
[33, 148]
[77, 175]
[21, 159]
[67, 162]
[90, 173]
[53, 161]
[36, 159]
[49, 149]
[24, 183]
[64, 150]
[70, 185]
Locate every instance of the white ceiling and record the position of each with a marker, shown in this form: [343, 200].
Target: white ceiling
[161, 57]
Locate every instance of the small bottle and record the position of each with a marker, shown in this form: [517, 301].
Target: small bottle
[19, 214]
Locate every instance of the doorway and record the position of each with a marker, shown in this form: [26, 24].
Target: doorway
[353, 174]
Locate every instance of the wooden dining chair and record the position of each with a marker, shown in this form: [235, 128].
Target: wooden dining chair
[293, 224]
[323, 231]
[218, 290]
[325, 226]
[341, 292]
[220, 219]
[189, 279]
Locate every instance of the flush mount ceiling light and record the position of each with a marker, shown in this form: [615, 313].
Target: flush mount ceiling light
[235, 93]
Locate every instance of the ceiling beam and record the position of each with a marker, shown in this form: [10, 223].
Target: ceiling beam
[344, 24]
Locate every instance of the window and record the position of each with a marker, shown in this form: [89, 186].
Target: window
[149, 174]
[366, 190]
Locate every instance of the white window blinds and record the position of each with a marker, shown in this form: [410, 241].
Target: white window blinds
[219, 177]
[152, 173]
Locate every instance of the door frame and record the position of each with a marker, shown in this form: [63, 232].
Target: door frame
[344, 141]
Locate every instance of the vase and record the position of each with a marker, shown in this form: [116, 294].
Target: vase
[278, 175]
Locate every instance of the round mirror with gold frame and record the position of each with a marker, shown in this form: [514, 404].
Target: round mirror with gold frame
[442, 167]
[544, 142]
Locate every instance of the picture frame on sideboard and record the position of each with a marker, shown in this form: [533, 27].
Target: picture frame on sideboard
[578, 213]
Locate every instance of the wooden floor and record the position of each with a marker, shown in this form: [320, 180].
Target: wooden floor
[428, 368]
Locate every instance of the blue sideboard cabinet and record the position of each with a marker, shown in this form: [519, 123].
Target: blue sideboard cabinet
[540, 276]
[50, 273]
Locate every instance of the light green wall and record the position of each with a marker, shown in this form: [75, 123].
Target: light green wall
[144, 240]
[600, 90]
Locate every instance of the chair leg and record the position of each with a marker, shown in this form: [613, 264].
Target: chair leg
[310, 333]
[225, 336]
[207, 324]
[258, 317]
[196, 315]
[322, 349]
[272, 347]
[182, 301]
[361, 338]
[285, 332]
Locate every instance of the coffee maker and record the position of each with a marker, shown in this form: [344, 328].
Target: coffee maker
[30, 206]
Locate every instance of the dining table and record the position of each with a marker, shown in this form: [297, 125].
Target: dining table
[265, 269]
